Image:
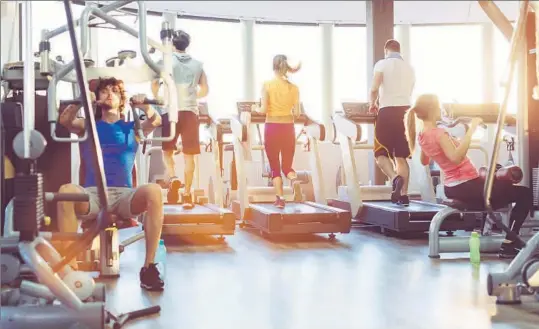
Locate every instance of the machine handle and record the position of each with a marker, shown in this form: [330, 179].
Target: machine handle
[459, 120]
[78, 102]
[71, 197]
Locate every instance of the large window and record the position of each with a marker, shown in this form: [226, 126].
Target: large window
[50, 15]
[349, 68]
[501, 56]
[299, 43]
[218, 46]
[447, 61]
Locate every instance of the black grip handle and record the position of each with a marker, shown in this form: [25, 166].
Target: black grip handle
[78, 102]
[70, 197]
[150, 101]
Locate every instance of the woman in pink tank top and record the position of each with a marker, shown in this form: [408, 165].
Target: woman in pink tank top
[461, 178]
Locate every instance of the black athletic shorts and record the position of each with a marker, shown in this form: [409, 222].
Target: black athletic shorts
[188, 128]
[390, 138]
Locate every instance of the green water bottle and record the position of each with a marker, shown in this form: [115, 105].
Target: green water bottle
[475, 243]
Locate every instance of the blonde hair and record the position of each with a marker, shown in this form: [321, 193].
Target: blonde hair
[422, 109]
[281, 66]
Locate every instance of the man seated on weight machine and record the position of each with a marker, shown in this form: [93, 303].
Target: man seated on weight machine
[119, 145]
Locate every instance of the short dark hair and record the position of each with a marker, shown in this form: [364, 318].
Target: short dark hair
[181, 40]
[393, 45]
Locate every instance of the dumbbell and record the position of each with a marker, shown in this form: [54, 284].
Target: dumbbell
[512, 174]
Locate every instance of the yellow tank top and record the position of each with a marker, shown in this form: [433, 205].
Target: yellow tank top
[282, 97]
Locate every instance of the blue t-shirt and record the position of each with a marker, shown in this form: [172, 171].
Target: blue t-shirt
[119, 146]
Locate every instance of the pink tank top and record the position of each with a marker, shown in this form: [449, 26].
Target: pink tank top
[453, 173]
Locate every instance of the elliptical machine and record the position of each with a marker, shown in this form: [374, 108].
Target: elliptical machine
[51, 280]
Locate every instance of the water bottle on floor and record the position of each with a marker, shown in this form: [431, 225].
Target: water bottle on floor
[161, 258]
[475, 243]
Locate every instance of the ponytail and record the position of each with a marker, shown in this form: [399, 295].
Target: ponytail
[410, 128]
[295, 68]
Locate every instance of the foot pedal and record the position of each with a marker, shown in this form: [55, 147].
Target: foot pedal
[509, 294]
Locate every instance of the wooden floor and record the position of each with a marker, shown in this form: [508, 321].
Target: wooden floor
[363, 281]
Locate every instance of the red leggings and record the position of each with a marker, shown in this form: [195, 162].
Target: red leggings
[280, 139]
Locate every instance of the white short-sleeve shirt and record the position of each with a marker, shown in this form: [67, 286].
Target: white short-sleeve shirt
[398, 82]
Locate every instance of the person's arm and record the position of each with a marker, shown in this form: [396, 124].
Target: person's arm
[153, 118]
[458, 154]
[203, 89]
[68, 118]
[424, 159]
[264, 97]
[297, 107]
[377, 80]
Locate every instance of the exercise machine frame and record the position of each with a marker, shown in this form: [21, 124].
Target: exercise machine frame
[36, 252]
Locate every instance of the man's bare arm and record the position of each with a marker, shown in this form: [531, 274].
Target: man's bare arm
[68, 118]
[204, 89]
[153, 120]
[376, 83]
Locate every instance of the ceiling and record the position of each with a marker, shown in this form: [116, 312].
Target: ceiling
[345, 12]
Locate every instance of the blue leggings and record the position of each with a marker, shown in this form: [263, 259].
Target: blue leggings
[280, 139]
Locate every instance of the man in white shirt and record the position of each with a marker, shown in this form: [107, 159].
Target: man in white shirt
[390, 98]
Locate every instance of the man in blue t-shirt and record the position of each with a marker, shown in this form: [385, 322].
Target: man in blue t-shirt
[119, 146]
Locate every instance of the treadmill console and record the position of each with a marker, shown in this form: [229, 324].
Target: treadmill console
[259, 118]
[358, 112]
[487, 111]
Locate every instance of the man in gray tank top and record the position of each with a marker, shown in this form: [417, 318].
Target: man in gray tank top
[192, 84]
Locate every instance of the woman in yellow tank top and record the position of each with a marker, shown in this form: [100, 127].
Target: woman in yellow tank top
[280, 102]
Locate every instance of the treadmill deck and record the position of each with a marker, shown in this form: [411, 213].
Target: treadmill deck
[204, 219]
[295, 218]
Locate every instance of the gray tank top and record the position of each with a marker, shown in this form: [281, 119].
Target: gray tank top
[186, 72]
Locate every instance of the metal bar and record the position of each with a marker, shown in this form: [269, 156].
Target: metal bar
[516, 46]
[108, 8]
[29, 78]
[97, 155]
[498, 18]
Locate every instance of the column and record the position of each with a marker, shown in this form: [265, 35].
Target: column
[171, 19]
[402, 35]
[489, 80]
[248, 52]
[380, 28]
[326, 29]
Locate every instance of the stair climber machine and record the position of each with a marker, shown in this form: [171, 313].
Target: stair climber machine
[254, 205]
[206, 218]
[371, 204]
[54, 296]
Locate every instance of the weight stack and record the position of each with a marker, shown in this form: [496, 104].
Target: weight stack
[535, 182]
[29, 208]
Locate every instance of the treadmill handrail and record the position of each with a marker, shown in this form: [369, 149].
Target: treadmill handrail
[347, 127]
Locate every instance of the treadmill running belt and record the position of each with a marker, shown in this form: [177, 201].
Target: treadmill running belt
[177, 210]
[291, 208]
[414, 207]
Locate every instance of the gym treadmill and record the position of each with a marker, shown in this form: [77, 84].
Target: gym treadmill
[371, 204]
[205, 218]
[254, 206]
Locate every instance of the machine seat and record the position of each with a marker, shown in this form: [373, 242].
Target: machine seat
[460, 205]
[229, 147]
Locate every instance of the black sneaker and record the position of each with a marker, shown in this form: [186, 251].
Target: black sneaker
[404, 200]
[279, 203]
[187, 201]
[398, 183]
[150, 278]
[508, 250]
